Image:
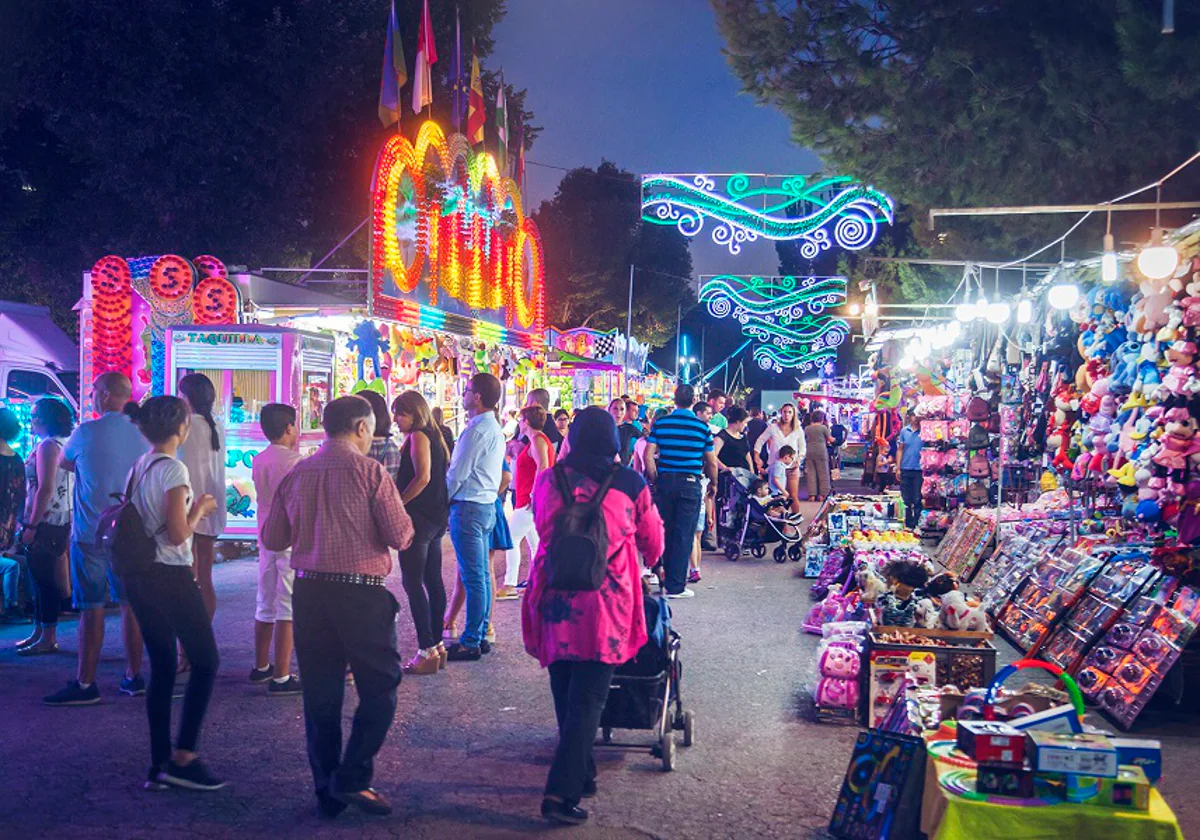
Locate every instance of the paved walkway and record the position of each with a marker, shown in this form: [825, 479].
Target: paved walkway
[468, 754]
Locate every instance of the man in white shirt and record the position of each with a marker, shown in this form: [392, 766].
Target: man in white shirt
[472, 482]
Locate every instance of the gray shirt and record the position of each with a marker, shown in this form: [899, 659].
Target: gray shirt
[103, 451]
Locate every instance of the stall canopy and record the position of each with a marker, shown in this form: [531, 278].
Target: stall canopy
[29, 331]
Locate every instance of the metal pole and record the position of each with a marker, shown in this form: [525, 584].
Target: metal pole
[629, 319]
[1030, 210]
[678, 335]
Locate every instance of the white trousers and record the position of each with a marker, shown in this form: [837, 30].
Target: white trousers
[275, 578]
[520, 524]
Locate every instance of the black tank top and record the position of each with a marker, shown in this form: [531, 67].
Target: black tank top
[431, 504]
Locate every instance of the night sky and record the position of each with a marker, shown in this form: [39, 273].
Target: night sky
[644, 84]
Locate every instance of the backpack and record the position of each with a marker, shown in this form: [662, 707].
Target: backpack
[977, 467]
[977, 494]
[977, 410]
[577, 560]
[122, 533]
[978, 438]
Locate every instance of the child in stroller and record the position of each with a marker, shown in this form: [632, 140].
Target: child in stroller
[751, 518]
[645, 691]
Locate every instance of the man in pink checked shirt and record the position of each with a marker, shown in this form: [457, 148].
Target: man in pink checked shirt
[340, 512]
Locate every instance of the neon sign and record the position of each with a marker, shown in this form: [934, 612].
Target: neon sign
[794, 210]
[786, 315]
[444, 215]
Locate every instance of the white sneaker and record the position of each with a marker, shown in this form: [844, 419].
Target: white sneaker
[686, 593]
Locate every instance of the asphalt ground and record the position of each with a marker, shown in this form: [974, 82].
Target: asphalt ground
[469, 750]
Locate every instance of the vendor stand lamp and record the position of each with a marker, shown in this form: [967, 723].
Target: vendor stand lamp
[1063, 295]
[1024, 312]
[998, 313]
[1158, 260]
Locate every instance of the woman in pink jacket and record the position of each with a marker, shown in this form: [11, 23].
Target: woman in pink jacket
[582, 636]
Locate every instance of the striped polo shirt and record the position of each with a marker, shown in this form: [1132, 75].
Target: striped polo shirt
[682, 439]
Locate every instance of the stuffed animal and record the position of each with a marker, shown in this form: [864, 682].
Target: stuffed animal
[368, 345]
[958, 614]
[926, 614]
[871, 584]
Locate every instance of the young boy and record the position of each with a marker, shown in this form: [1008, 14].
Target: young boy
[775, 507]
[777, 475]
[273, 615]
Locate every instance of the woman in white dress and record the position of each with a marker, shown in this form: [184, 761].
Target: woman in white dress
[203, 453]
[785, 431]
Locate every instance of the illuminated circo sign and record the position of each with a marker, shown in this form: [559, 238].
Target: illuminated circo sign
[444, 215]
[793, 211]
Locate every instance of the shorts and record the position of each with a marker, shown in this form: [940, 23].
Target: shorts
[91, 577]
[275, 580]
[701, 520]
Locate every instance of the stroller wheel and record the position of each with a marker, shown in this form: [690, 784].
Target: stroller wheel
[759, 551]
[732, 552]
[668, 752]
[689, 728]
[780, 554]
[796, 553]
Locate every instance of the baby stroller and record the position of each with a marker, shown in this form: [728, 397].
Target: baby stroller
[743, 525]
[644, 693]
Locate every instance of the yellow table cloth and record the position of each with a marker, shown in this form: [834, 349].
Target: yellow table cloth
[947, 816]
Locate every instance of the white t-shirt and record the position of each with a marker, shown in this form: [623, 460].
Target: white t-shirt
[206, 467]
[150, 488]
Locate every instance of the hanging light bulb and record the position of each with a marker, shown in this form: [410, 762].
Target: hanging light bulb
[981, 307]
[965, 312]
[1157, 260]
[997, 313]
[1063, 295]
[1024, 312]
[954, 329]
[855, 309]
[1108, 262]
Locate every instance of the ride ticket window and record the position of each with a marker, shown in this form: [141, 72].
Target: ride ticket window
[241, 394]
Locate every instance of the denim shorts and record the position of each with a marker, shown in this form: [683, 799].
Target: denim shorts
[91, 577]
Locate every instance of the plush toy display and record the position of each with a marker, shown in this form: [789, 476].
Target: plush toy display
[958, 614]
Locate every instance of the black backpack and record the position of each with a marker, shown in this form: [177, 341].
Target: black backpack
[122, 533]
[577, 560]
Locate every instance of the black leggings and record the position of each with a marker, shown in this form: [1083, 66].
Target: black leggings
[421, 573]
[43, 555]
[168, 606]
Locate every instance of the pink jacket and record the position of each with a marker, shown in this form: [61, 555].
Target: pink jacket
[608, 625]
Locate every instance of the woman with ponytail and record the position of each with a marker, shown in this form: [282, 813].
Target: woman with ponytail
[165, 597]
[203, 453]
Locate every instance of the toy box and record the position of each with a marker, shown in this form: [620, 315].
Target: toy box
[1083, 755]
[991, 742]
[1005, 781]
[1063, 719]
[1130, 789]
[1145, 755]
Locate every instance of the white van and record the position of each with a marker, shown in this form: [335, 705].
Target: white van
[36, 357]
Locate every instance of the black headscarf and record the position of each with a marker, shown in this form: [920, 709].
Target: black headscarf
[592, 439]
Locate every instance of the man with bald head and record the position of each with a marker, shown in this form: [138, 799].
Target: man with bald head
[540, 396]
[101, 453]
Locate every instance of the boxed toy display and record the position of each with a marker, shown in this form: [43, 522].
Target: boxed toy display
[991, 742]
[1083, 755]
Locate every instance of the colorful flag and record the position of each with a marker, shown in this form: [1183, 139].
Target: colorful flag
[519, 165]
[395, 74]
[426, 58]
[475, 112]
[458, 79]
[501, 128]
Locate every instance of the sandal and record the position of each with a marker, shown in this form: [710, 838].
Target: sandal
[38, 650]
[450, 630]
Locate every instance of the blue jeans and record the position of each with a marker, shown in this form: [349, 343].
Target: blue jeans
[471, 525]
[679, 502]
[10, 573]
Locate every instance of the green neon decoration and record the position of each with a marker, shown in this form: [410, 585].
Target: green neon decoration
[786, 315]
[794, 210]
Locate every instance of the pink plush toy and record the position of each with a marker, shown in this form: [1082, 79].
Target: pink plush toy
[1179, 443]
[837, 694]
[839, 662]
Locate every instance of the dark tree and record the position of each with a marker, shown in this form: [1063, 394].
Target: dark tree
[243, 129]
[945, 103]
[592, 232]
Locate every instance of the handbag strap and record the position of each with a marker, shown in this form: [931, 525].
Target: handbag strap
[145, 472]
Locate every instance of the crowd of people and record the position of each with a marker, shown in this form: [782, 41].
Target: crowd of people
[330, 527]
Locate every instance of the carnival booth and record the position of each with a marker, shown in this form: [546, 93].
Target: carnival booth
[589, 367]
